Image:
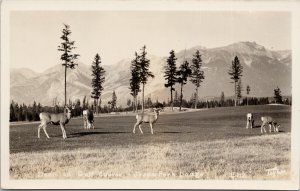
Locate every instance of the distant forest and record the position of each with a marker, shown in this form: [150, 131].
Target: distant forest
[22, 112]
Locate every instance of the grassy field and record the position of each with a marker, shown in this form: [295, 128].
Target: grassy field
[207, 144]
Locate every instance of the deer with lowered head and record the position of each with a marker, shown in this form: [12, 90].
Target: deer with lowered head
[150, 118]
[267, 120]
[56, 119]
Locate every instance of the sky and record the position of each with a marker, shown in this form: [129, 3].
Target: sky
[116, 35]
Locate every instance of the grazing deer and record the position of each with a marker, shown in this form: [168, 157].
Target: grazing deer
[146, 118]
[56, 119]
[250, 121]
[271, 122]
[88, 119]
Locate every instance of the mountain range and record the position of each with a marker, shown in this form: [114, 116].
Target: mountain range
[263, 71]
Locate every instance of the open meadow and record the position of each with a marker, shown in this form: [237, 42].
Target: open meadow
[206, 144]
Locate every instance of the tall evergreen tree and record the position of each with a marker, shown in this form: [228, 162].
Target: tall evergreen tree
[239, 90]
[84, 103]
[248, 91]
[170, 74]
[113, 101]
[222, 99]
[12, 111]
[235, 73]
[144, 64]
[98, 79]
[128, 103]
[183, 73]
[135, 80]
[197, 74]
[67, 56]
[277, 95]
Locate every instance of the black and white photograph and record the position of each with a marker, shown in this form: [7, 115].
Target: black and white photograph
[154, 94]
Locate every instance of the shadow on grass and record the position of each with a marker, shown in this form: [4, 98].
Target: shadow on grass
[256, 126]
[173, 132]
[80, 134]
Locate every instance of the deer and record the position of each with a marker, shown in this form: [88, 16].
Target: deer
[150, 118]
[271, 122]
[250, 120]
[88, 119]
[55, 119]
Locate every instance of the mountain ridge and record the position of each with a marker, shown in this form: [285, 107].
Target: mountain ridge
[263, 70]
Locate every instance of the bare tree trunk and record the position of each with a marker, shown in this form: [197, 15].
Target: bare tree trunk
[196, 97]
[135, 107]
[100, 104]
[96, 105]
[143, 98]
[133, 104]
[136, 104]
[66, 84]
[180, 97]
[235, 94]
[171, 98]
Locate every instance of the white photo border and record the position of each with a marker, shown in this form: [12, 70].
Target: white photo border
[149, 5]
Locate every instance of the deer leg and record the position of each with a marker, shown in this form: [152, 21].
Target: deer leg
[247, 124]
[84, 123]
[151, 128]
[140, 127]
[63, 131]
[88, 124]
[44, 128]
[39, 129]
[275, 128]
[270, 128]
[262, 129]
[136, 124]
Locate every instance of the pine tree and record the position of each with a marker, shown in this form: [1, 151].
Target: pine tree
[222, 99]
[239, 90]
[176, 96]
[128, 103]
[135, 80]
[144, 64]
[12, 112]
[170, 74]
[113, 100]
[35, 111]
[67, 57]
[97, 81]
[248, 91]
[84, 103]
[197, 74]
[277, 95]
[235, 73]
[183, 73]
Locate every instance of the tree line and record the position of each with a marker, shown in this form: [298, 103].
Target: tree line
[23, 112]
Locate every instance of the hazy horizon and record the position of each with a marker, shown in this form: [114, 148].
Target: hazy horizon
[116, 35]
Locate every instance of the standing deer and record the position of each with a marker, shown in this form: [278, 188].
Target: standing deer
[146, 118]
[88, 119]
[271, 122]
[56, 119]
[250, 121]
